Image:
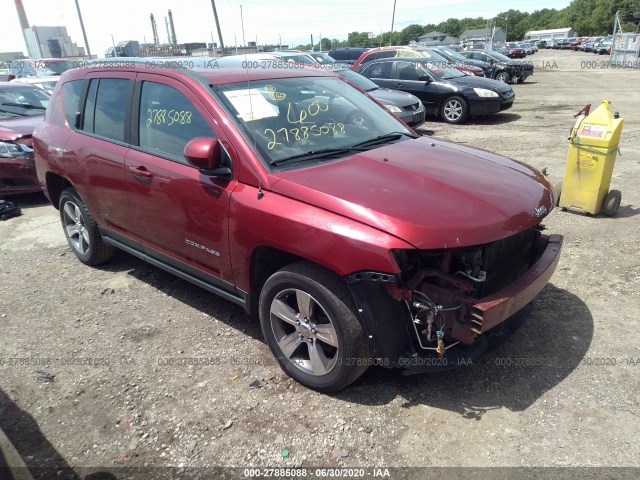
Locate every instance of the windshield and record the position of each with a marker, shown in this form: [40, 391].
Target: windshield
[23, 101]
[440, 70]
[322, 58]
[358, 80]
[500, 57]
[453, 55]
[295, 57]
[55, 67]
[288, 119]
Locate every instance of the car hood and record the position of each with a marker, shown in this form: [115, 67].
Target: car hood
[430, 193]
[480, 82]
[11, 129]
[395, 97]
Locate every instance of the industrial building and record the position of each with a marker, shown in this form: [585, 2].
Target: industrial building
[51, 42]
[553, 34]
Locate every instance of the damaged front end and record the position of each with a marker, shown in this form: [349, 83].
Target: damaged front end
[448, 306]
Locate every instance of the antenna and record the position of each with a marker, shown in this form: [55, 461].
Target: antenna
[246, 68]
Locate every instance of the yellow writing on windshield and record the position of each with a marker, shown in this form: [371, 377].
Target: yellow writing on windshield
[312, 110]
[274, 94]
[291, 135]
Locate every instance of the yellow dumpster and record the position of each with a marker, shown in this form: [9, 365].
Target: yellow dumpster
[592, 153]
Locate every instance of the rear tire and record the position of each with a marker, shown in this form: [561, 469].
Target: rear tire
[81, 230]
[309, 322]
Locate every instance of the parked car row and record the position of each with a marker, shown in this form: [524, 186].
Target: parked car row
[600, 45]
[445, 92]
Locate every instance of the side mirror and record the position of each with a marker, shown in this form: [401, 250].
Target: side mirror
[205, 153]
[425, 78]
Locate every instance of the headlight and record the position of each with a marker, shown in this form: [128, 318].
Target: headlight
[12, 150]
[392, 108]
[483, 92]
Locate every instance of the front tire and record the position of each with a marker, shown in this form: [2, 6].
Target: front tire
[454, 110]
[502, 77]
[81, 230]
[309, 323]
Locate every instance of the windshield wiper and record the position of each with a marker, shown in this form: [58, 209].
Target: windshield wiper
[325, 152]
[25, 105]
[383, 139]
[13, 113]
[329, 152]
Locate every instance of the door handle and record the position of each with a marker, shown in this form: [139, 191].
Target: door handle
[398, 85]
[141, 172]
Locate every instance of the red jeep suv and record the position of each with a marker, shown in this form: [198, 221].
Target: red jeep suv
[355, 242]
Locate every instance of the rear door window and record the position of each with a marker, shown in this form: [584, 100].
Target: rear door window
[378, 70]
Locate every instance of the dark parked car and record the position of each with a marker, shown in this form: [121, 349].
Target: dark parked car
[22, 108]
[354, 244]
[347, 55]
[457, 59]
[405, 106]
[445, 92]
[507, 70]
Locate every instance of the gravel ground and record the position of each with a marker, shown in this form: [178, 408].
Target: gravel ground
[563, 392]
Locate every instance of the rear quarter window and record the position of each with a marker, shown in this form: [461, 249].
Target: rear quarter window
[106, 108]
[71, 92]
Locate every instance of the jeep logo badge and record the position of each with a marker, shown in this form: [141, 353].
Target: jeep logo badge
[540, 211]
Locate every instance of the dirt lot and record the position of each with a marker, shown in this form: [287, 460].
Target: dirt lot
[563, 392]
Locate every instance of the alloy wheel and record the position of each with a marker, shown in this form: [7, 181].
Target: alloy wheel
[304, 332]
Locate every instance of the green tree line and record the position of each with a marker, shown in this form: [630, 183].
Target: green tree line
[586, 17]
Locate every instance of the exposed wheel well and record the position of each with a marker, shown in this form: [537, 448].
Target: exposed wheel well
[55, 186]
[266, 261]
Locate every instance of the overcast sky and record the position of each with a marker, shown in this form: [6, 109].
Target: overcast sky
[266, 20]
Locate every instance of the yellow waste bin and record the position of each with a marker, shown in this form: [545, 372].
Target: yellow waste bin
[592, 153]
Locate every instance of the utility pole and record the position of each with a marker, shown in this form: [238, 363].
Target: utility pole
[84, 33]
[393, 17]
[242, 24]
[506, 28]
[215, 16]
